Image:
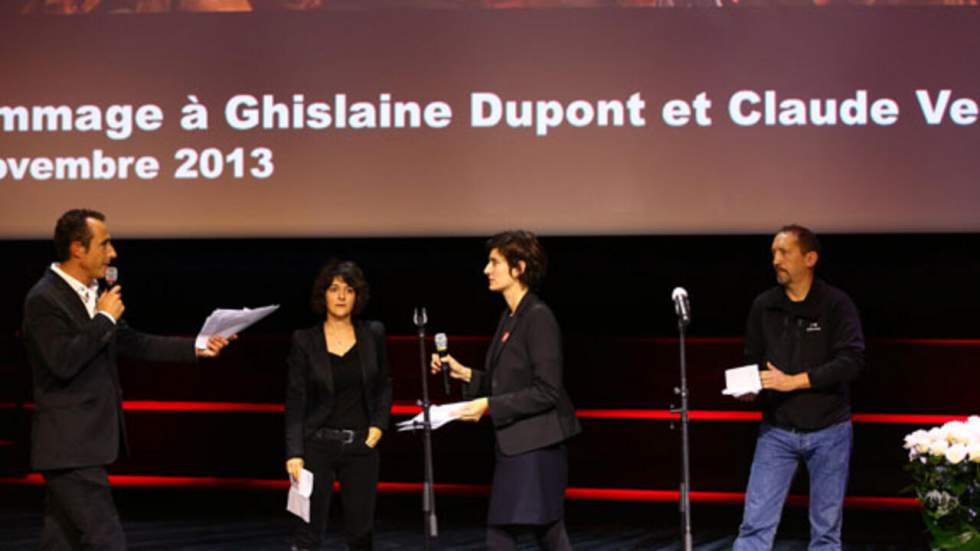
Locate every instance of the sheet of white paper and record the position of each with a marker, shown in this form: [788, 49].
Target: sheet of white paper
[298, 501]
[740, 381]
[438, 416]
[225, 323]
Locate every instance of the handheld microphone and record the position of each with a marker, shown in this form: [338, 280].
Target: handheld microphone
[111, 277]
[682, 306]
[442, 348]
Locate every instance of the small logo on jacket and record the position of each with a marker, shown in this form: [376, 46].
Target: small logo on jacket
[814, 327]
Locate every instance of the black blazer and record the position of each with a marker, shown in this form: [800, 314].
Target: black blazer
[78, 419]
[309, 382]
[523, 378]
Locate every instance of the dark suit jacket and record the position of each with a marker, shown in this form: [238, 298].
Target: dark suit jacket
[78, 419]
[523, 378]
[309, 383]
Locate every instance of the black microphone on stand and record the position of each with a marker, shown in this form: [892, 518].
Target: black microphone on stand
[442, 348]
[429, 496]
[682, 305]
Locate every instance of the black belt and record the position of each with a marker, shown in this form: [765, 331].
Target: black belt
[797, 430]
[344, 436]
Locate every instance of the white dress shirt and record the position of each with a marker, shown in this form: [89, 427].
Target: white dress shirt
[87, 293]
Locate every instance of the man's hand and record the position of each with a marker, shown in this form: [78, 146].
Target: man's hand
[456, 369]
[294, 466]
[374, 434]
[474, 409]
[215, 346]
[111, 303]
[774, 379]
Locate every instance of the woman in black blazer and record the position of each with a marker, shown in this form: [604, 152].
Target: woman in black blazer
[338, 402]
[520, 388]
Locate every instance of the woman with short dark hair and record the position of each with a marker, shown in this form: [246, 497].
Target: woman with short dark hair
[521, 391]
[338, 402]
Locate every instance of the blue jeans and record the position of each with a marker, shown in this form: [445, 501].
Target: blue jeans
[827, 453]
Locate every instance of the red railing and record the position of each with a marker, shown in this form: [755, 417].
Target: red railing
[475, 490]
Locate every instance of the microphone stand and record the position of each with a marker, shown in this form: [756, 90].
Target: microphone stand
[685, 502]
[428, 493]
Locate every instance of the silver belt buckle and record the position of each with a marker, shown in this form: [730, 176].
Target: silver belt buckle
[348, 436]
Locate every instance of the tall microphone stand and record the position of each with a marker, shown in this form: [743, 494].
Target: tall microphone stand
[428, 493]
[685, 502]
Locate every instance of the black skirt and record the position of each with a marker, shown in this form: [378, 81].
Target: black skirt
[529, 488]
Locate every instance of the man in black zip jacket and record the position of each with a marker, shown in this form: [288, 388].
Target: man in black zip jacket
[806, 337]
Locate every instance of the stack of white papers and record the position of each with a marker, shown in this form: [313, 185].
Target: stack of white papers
[225, 323]
[438, 416]
[741, 381]
[298, 501]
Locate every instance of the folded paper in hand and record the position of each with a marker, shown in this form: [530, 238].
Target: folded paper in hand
[298, 501]
[438, 416]
[740, 381]
[225, 323]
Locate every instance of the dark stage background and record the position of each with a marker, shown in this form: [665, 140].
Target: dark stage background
[628, 213]
[916, 294]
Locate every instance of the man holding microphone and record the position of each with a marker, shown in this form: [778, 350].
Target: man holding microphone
[73, 335]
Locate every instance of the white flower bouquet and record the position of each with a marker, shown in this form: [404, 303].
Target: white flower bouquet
[945, 466]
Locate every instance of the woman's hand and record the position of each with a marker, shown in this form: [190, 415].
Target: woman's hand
[473, 410]
[456, 369]
[374, 434]
[294, 466]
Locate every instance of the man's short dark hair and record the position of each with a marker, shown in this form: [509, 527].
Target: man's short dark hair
[520, 245]
[73, 226]
[804, 236]
[351, 274]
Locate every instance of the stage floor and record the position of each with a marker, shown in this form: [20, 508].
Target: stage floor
[192, 520]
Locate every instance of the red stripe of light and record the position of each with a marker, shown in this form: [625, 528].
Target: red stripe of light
[472, 490]
[618, 414]
[152, 405]
[710, 340]
[664, 414]
[906, 418]
[658, 340]
[930, 342]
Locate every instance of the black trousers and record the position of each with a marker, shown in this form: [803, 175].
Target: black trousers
[355, 466]
[79, 513]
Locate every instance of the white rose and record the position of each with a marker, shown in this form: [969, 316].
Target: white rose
[917, 441]
[910, 438]
[975, 452]
[938, 447]
[957, 432]
[973, 425]
[956, 453]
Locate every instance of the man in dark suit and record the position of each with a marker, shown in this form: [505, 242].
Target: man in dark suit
[73, 336]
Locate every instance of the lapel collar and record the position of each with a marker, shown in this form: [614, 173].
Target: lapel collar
[321, 360]
[67, 297]
[495, 343]
[499, 344]
[365, 344]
